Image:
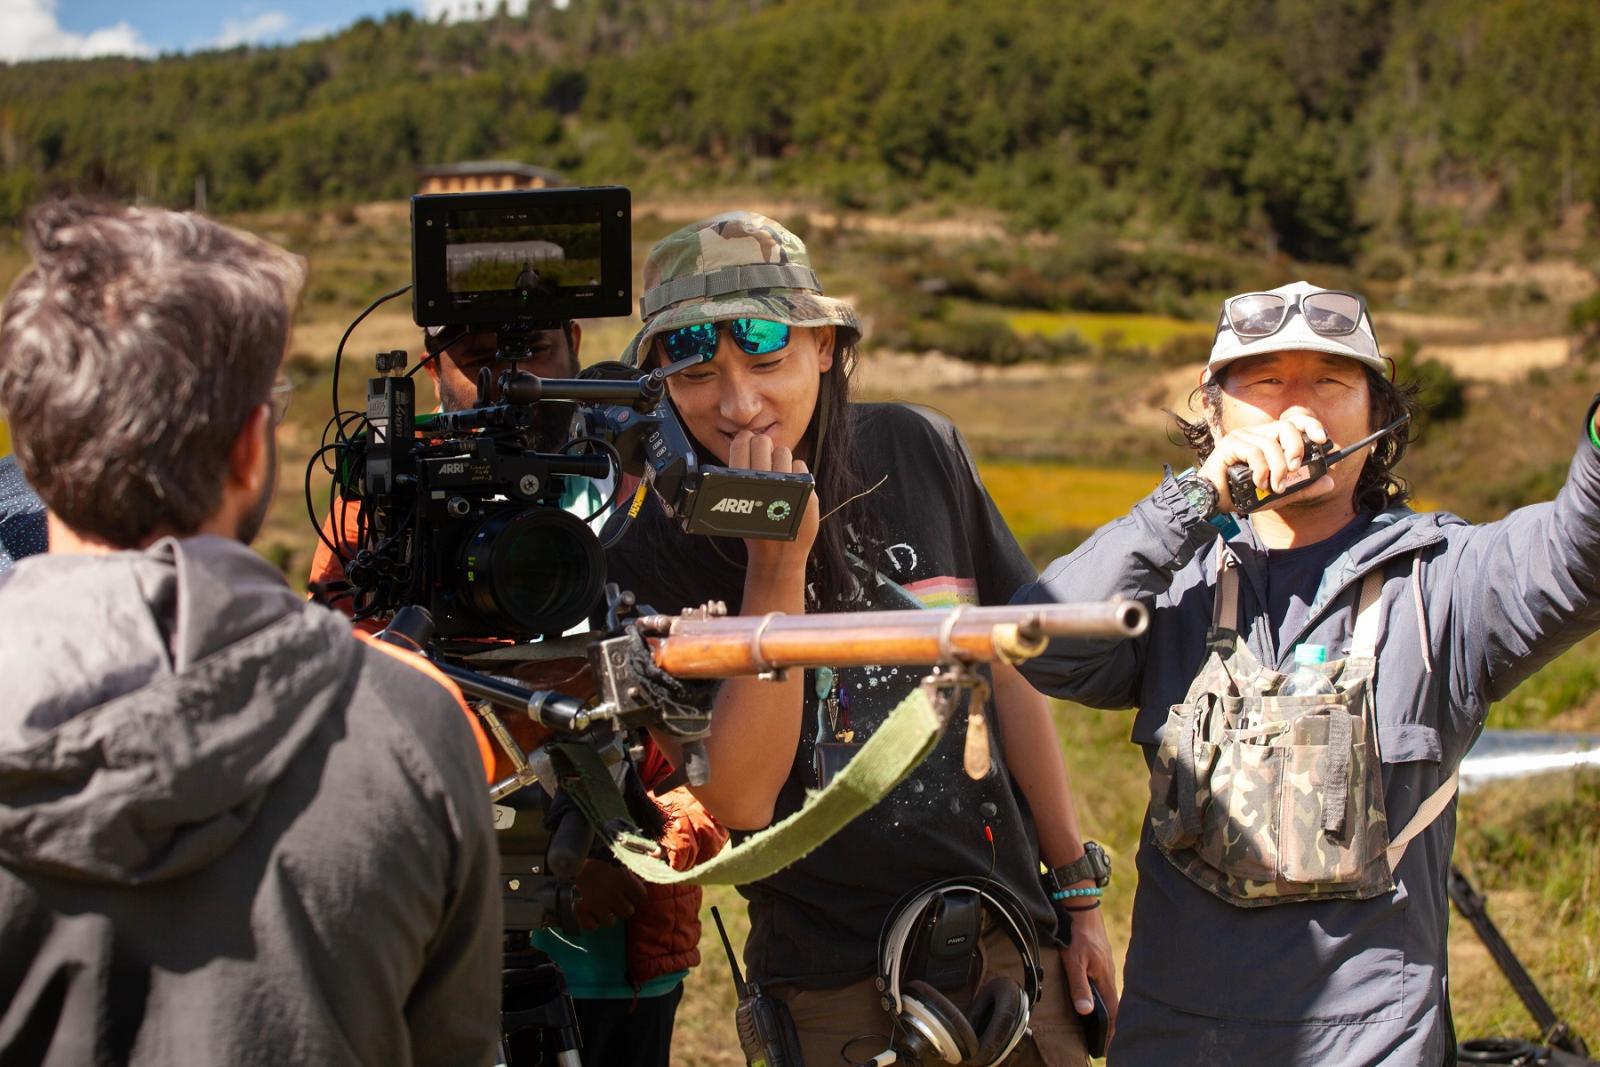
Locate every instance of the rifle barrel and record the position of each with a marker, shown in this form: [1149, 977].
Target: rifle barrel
[724, 647]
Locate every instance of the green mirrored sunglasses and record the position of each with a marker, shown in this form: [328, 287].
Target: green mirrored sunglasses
[755, 337]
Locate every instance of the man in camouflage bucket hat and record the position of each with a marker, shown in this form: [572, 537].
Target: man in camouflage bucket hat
[1291, 906]
[900, 520]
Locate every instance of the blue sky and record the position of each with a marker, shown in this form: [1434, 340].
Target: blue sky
[38, 29]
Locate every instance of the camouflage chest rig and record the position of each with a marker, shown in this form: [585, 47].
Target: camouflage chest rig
[1266, 799]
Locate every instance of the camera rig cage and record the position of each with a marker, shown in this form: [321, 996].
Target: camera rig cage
[459, 511]
[450, 527]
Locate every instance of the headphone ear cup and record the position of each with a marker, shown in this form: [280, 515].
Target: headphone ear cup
[926, 1004]
[996, 1012]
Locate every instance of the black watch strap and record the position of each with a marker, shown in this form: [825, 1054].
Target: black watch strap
[1093, 866]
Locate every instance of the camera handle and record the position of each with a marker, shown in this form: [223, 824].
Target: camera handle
[412, 627]
[641, 392]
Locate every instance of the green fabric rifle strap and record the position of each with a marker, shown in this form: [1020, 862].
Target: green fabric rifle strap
[893, 750]
[582, 773]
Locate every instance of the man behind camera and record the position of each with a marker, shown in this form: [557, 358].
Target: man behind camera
[230, 831]
[625, 968]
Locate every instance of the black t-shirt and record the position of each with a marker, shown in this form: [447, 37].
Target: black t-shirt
[1293, 575]
[817, 922]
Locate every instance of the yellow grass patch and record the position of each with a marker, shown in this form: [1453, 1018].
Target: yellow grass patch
[1043, 498]
[1148, 331]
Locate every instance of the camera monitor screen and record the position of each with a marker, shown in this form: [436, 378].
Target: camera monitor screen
[539, 256]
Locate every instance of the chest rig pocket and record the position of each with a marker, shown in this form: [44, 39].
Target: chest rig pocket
[1266, 799]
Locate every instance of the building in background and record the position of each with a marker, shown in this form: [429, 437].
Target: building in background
[485, 175]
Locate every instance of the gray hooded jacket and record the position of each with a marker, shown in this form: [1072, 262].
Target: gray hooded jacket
[1469, 612]
[230, 832]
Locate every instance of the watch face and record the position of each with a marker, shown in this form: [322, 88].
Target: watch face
[1201, 493]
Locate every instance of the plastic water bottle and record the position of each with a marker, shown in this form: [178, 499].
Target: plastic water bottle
[1306, 679]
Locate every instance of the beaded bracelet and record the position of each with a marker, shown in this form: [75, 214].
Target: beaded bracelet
[1063, 894]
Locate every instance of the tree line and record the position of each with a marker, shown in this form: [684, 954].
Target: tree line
[1319, 129]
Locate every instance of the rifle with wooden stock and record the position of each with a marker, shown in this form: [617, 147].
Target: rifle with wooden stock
[707, 644]
[659, 671]
[638, 677]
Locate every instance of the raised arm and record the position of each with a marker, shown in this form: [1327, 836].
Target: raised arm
[758, 722]
[1525, 588]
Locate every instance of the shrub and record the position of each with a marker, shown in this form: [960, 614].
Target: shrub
[1440, 394]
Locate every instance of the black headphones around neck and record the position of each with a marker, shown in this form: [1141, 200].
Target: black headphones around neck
[928, 1027]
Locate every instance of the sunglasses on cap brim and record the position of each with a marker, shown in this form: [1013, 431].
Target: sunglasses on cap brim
[1328, 312]
[754, 337]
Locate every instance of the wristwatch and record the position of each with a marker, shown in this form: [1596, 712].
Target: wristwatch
[1094, 865]
[1199, 491]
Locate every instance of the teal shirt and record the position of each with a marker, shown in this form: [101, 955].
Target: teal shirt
[595, 965]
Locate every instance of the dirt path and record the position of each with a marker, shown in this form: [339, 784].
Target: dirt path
[1500, 361]
[976, 225]
[884, 373]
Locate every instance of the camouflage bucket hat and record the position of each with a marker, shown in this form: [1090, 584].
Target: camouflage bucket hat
[732, 266]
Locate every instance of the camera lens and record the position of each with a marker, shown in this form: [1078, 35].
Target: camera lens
[537, 571]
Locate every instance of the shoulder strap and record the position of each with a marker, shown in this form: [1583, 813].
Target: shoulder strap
[1430, 810]
[1225, 602]
[1369, 616]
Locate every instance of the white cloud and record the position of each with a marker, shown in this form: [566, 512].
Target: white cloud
[267, 26]
[33, 32]
[467, 10]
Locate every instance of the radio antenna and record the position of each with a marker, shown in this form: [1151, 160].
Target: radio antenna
[727, 946]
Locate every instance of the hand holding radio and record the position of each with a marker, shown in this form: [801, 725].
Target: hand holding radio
[1253, 467]
[1265, 464]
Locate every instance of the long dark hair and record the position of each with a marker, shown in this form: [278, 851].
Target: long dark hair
[695, 569]
[1378, 488]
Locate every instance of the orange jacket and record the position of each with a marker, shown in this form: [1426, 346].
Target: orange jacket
[327, 568]
[664, 933]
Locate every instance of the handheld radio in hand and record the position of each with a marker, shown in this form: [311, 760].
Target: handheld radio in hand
[1247, 497]
[766, 1033]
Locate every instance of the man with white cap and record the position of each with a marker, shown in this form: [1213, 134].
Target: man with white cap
[1316, 667]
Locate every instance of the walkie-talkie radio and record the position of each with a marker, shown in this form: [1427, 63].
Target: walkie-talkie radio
[1247, 497]
[766, 1032]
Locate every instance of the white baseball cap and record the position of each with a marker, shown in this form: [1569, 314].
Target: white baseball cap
[1338, 310]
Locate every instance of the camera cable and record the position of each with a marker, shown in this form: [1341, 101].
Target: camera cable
[338, 353]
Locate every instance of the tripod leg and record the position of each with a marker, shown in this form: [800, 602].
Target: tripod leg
[535, 1005]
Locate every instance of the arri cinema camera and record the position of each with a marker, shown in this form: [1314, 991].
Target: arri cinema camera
[460, 512]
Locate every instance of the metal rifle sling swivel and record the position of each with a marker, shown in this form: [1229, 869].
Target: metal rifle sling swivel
[954, 674]
[945, 687]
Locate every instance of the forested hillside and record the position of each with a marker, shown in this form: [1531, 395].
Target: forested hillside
[1326, 130]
